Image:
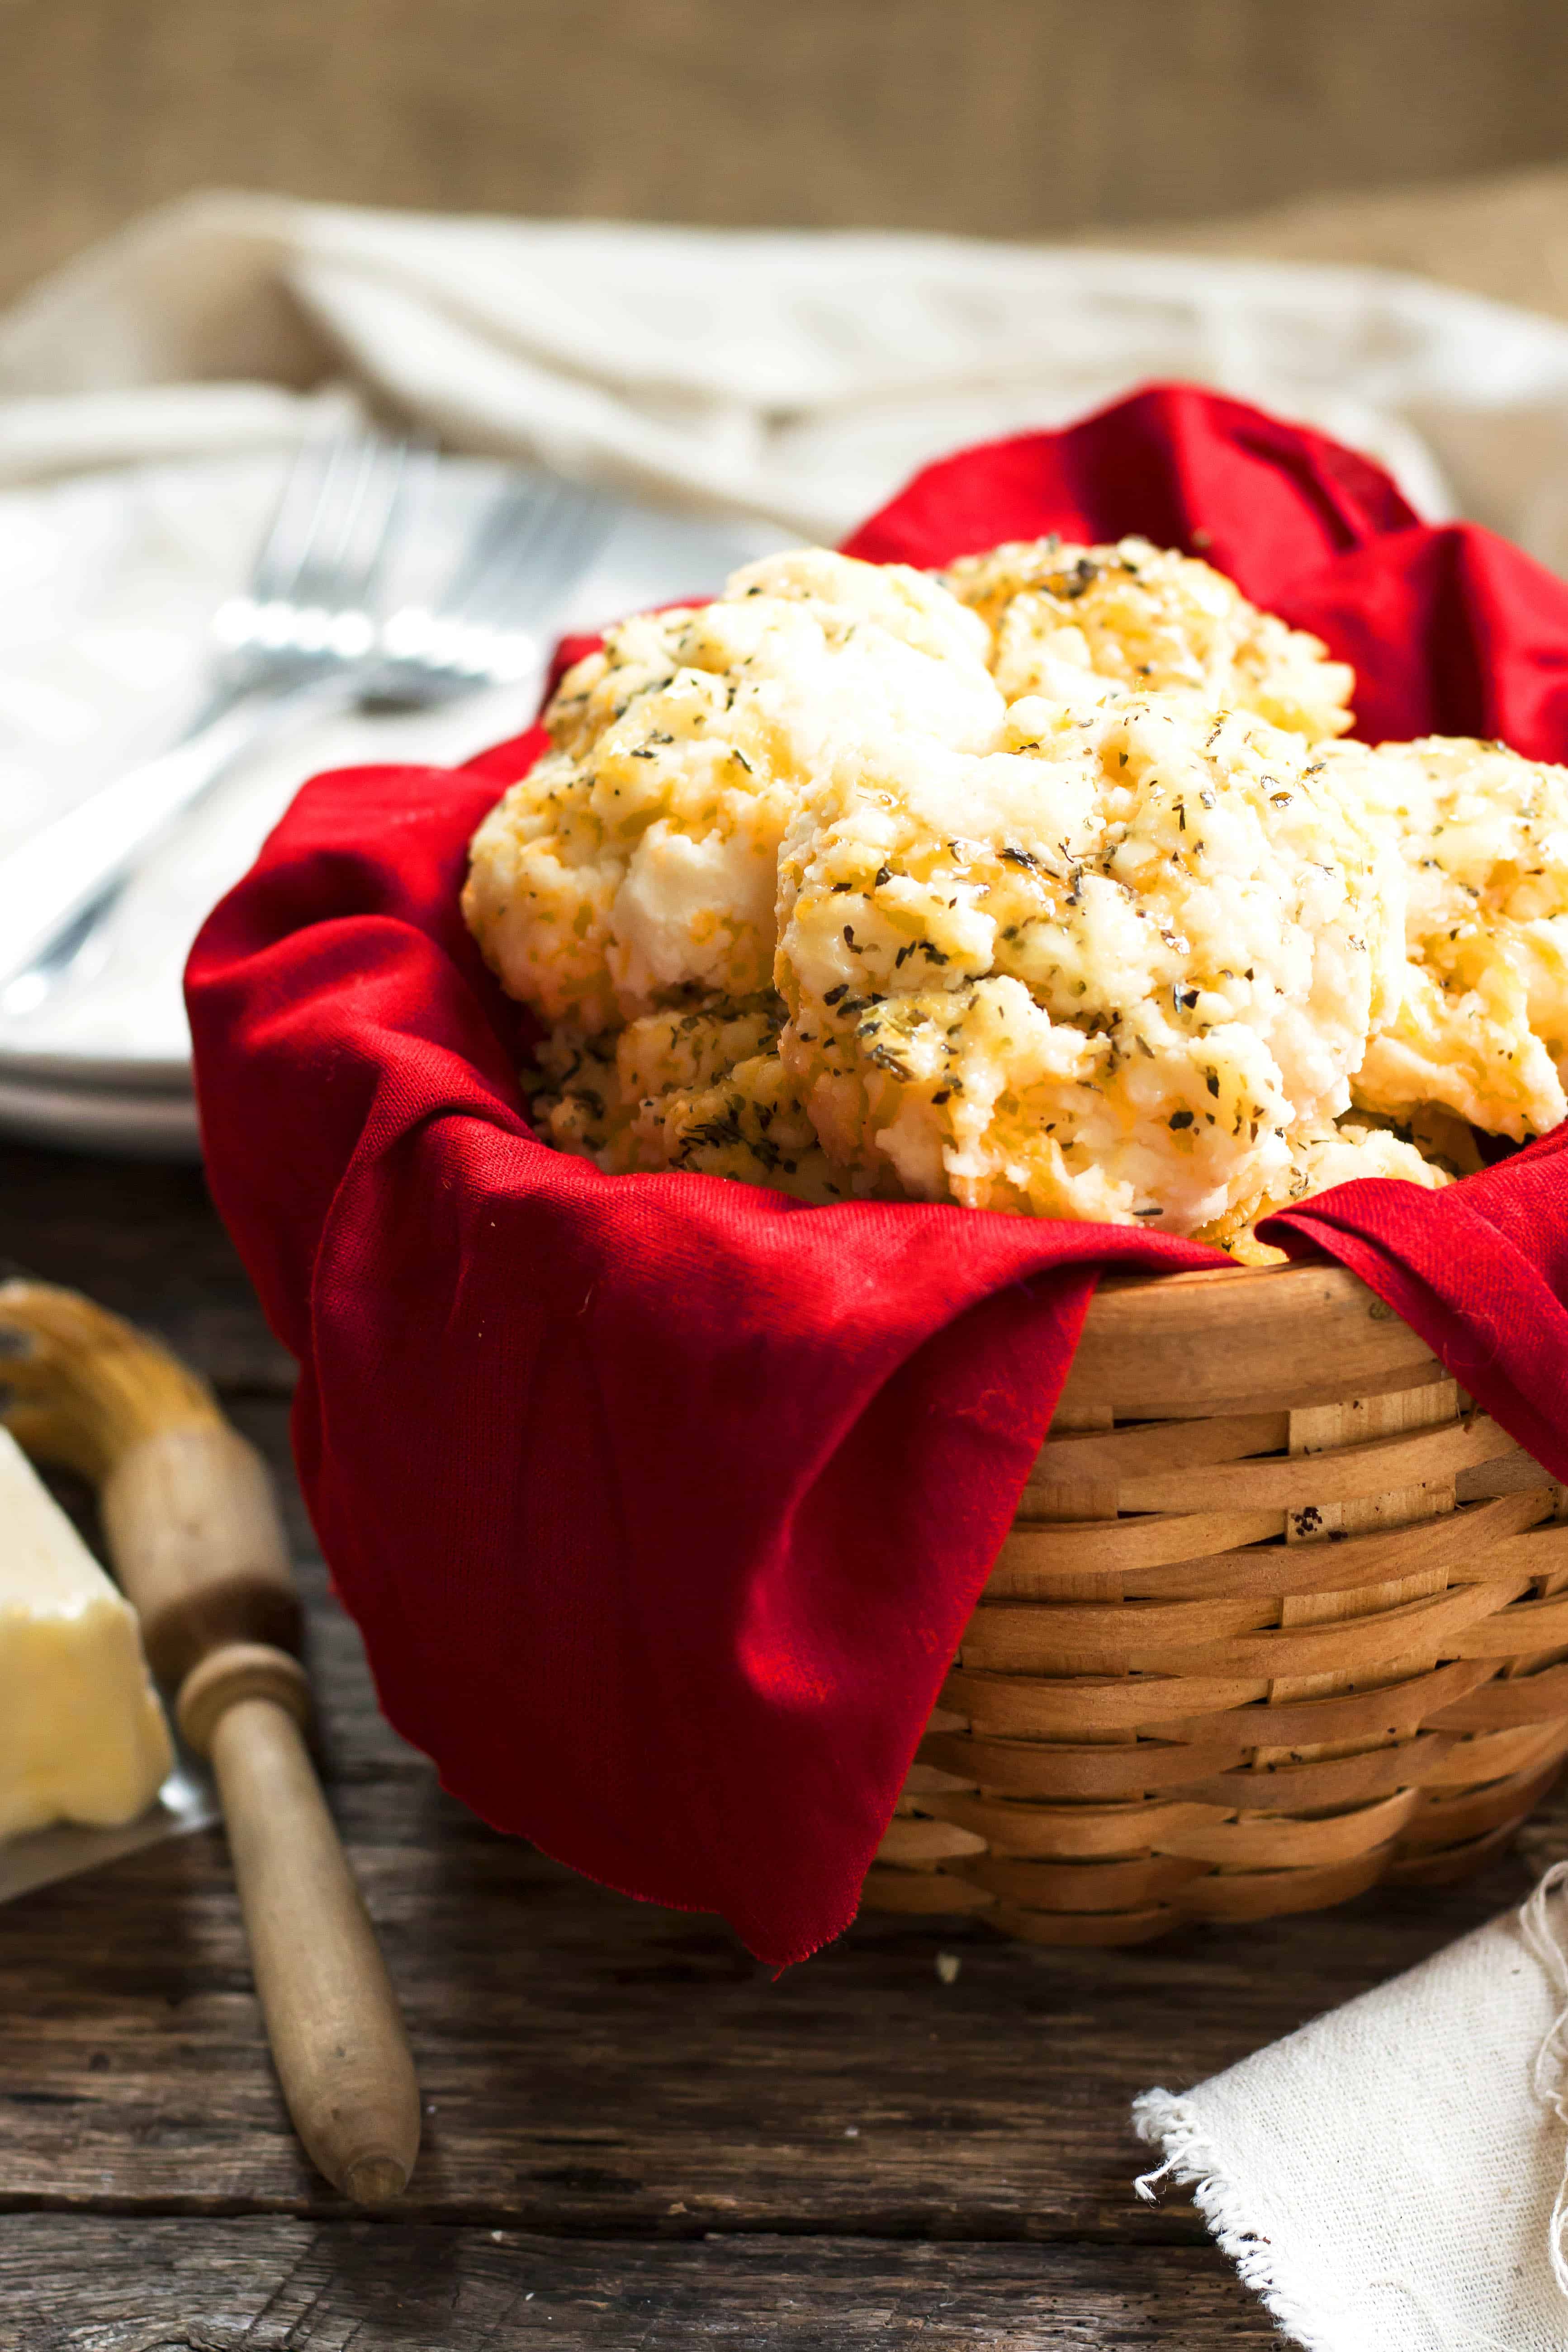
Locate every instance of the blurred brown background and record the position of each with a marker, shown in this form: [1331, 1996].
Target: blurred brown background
[1004, 118]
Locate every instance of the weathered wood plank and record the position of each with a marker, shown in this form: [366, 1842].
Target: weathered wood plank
[145, 1240]
[592, 2064]
[949, 2161]
[69, 2282]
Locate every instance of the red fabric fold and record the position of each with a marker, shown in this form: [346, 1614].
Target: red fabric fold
[662, 1502]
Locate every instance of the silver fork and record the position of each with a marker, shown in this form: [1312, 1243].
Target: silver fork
[532, 544]
[307, 637]
[308, 612]
[285, 646]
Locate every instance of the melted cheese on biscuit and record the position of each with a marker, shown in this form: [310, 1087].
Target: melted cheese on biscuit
[1106, 973]
[1083, 625]
[1038, 885]
[1481, 1027]
[701, 1089]
[638, 860]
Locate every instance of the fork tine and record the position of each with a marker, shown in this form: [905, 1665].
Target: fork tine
[538, 533]
[416, 466]
[333, 562]
[380, 522]
[316, 578]
[507, 512]
[294, 518]
[567, 548]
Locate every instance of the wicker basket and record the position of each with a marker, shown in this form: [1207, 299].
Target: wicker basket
[1282, 1615]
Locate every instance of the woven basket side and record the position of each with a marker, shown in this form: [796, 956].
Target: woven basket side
[1250, 1660]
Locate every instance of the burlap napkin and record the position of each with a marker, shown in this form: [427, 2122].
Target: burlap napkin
[1391, 2178]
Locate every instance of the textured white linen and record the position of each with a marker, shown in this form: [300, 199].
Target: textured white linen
[795, 375]
[1386, 2177]
[791, 374]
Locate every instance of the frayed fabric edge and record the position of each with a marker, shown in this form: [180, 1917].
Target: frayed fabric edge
[1193, 2161]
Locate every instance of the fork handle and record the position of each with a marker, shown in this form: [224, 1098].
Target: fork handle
[60, 870]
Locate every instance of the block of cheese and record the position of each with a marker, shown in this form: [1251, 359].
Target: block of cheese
[82, 1736]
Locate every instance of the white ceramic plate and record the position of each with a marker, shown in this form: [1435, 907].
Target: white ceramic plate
[126, 1121]
[105, 583]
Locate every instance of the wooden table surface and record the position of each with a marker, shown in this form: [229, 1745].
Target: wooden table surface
[633, 2137]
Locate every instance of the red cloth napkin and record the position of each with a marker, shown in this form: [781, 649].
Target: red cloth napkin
[661, 1501]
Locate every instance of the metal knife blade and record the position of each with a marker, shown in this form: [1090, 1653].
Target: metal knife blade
[186, 1801]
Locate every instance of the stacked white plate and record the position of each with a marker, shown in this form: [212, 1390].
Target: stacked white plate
[106, 586]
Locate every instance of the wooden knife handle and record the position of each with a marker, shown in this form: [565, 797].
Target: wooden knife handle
[332, 2019]
[192, 1527]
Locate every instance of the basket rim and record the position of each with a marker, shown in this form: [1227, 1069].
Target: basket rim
[1217, 1291]
[1236, 1338]
[1192, 1277]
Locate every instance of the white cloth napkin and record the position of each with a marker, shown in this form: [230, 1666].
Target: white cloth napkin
[797, 375]
[778, 384]
[1391, 2178]
[794, 375]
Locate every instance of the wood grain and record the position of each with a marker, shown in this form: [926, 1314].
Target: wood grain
[594, 2063]
[67, 2284]
[337, 2038]
[190, 1526]
[142, 1240]
[1201, 1344]
[695, 2149]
